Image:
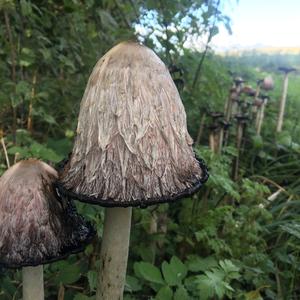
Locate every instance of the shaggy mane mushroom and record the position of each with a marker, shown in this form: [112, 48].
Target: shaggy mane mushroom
[132, 149]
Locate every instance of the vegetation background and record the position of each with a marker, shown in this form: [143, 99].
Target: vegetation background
[236, 239]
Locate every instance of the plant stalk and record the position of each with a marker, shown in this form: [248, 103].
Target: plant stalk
[260, 117]
[13, 71]
[5, 152]
[33, 283]
[200, 130]
[282, 103]
[114, 254]
[30, 108]
[239, 137]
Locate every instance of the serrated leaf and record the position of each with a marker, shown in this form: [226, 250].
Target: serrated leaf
[196, 263]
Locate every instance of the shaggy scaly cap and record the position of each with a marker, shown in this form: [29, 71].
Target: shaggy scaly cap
[36, 226]
[132, 146]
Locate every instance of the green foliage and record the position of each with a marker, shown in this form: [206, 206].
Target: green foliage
[235, 239]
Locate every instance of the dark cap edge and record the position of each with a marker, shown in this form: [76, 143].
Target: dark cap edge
[137, 203]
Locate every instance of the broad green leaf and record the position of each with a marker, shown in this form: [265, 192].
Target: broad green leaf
[132, 284]
[81, 296]
[69, 274]
[169, 276]
[165, 293]
[174, 271]
[92, 279]
[181, 294]
[148, 272]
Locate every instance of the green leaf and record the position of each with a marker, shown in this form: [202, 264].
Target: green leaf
[174, 272]
[69, 274]
[181, 294]
[165, 293]
[40, 151]
[83, 297]
[257, 141]
[92, 279]
[293, 229]
[232, 271]
[169, 276]
[26, 8]
[197, 263]
[132, 284]
[253, 295]
[148, 272]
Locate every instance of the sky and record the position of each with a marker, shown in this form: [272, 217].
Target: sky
[260, 23]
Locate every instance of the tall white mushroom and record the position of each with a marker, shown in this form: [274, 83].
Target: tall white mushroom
[132, 149]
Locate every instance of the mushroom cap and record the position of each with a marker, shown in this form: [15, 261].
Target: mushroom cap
[286, 69]
[267, 84]
[36, 226]
[248, 90]
[241, 118]
[216, 114]
[238, 80]
[132, 146]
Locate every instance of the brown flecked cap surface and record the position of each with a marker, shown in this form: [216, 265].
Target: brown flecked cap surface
[36, 226]
[132, 146]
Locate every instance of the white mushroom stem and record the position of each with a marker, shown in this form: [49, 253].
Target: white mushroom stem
[239, 137]
[212, 142]
[114, 254]
[33, 283]
[200, 131]
[282, 102]
[260, 117]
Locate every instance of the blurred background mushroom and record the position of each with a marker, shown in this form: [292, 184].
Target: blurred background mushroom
[286, 71]
[36, 225]
[132, 149]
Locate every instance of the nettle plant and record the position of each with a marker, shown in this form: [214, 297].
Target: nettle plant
[197, 278]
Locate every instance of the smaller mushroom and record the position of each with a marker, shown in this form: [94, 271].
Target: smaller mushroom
[286, 71]
[216, 115]
[261, 113]
[36, 225]
[248, 90]
[241, 124]
[267, 83]
[214, 137]
[238, 81]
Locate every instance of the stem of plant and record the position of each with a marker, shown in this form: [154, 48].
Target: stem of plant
[5, 152]
[33, 283]
[282, 103]
[13, 71]
[260, 118]
[239, 137]
[153, 231]
[30, 108]
[201, 128]
[114, 254]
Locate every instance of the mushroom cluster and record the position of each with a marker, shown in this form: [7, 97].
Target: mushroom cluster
[132, 149]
